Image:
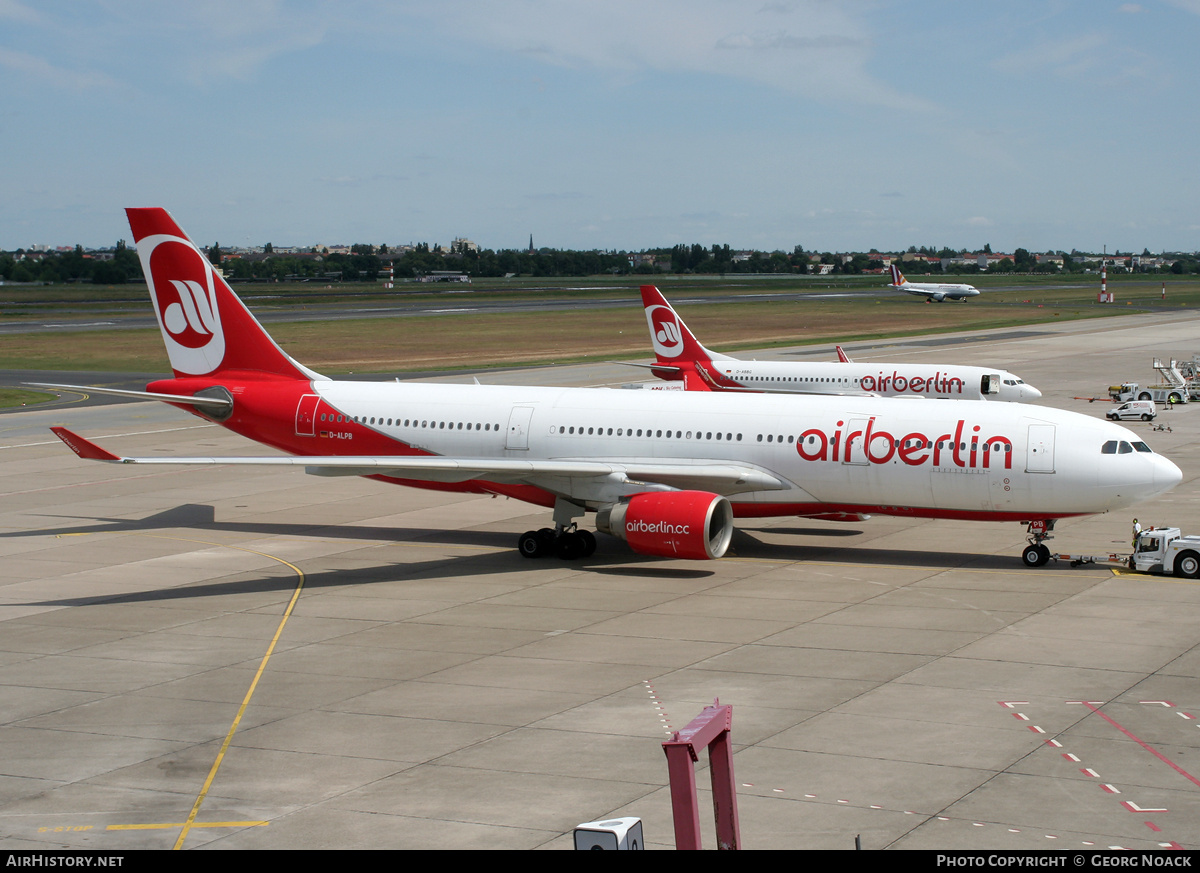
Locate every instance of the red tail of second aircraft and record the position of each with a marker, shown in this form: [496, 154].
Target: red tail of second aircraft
[205, 327]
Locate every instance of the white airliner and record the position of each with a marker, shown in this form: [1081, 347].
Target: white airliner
[668, 473]
[682, 358]
[932, 291]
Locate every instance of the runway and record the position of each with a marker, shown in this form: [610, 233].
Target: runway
[256, 659]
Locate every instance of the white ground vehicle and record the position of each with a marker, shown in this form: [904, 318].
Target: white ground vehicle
[1178, 384]
[1158, 393]
[1162, 551]
[1140, 410]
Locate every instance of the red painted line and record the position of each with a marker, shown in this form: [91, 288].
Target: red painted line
[1152, 827]
[1184, 773]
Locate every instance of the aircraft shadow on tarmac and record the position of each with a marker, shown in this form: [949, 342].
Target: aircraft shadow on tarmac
[612, 558]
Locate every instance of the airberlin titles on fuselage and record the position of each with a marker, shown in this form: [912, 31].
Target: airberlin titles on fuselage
[914, 449]
[938, 383]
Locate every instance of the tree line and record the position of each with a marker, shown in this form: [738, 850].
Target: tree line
[368, 263]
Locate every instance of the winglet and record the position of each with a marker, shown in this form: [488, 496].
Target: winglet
[89, 451]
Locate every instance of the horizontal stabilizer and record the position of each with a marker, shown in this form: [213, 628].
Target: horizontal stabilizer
[671, 368]
[214, 404]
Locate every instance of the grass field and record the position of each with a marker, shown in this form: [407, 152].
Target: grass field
[473, 340]
[19, 397]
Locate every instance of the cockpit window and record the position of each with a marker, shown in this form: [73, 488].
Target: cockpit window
[1109, 448]
[1142, 447]
[1124, 448]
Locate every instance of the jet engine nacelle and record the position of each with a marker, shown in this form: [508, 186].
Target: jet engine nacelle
[938, 296]
[695, 525]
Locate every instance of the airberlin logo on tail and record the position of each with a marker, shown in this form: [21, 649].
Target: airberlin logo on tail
[182, 287]
[665, 331]
[192, 317]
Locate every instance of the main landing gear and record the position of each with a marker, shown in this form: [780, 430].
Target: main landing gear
[565, 540]
[568, 543]
[1036, 554]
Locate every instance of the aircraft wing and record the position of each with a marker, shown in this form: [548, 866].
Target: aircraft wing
[717, 476]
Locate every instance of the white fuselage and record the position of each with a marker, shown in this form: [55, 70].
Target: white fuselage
[957, 382]
[963, 459]
[938, 291]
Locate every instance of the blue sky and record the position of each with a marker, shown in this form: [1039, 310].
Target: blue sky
[605, 123]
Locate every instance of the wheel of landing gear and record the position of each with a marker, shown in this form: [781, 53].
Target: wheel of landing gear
[1035, 555]
[570, 546]
[589, 543]
[530, 545]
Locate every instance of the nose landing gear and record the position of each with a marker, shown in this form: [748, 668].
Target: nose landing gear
[1036, 554]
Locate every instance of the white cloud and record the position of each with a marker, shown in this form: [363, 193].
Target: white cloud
[58, 77]
[11, 10]
[816, 49]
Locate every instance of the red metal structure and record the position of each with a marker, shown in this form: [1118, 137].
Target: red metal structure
[709, 729]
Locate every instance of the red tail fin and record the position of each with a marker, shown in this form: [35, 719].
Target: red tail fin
[205, 327]
[897, 277]
[671, 337]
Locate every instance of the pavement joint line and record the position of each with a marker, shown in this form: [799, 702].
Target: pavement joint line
[212, 773]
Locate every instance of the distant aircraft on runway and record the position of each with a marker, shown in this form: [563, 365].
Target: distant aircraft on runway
[666, 472]
[931, 291]
[681, 358]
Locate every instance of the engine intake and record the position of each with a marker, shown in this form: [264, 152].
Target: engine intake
[695, 525]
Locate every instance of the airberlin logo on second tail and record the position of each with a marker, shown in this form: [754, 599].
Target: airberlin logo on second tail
[182, 287]
[664, 331]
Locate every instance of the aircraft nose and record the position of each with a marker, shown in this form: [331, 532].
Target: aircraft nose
[1030, 393]
[1166, 474]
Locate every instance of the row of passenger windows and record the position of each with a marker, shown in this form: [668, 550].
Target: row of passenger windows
[657, 434]
[824, 379]
[769, 438]
[410, 422]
